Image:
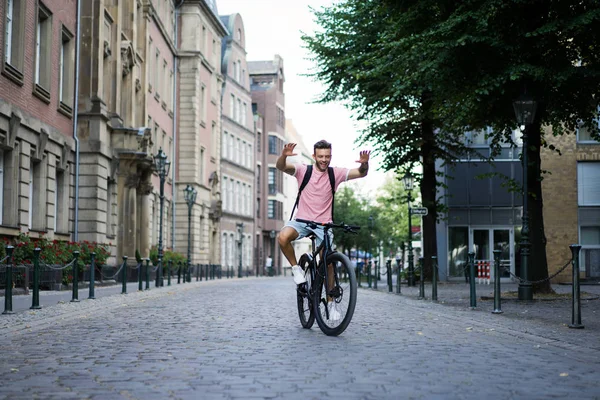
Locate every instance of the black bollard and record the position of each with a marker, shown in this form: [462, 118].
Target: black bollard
[576, 297]
[92, 294]
[471, 265]
[376, 275]
[434, 278]
[35, 303]
[359, 277]
[369, 273]
[497, 300]
[124, 276]
[8, 281]
[388, 268]
[399, 279]
[75, 269]
[147, 274]
[169, 263]
[420, 264]
[157, 277]
[179, 274]
[140, 276]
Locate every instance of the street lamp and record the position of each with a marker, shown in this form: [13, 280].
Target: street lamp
[189, 194]
[525, 108]
[161, 166]
[408, 181]
[371, 255]
[240, 227]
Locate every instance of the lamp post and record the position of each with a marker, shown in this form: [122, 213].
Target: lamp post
[240, 228]
[189, 194]
[162, 167]
[408, 186]
[525, 108]
[370, 268]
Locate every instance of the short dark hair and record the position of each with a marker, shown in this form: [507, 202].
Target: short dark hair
[321, 144]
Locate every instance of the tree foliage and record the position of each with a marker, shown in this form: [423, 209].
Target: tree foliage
[410, 68]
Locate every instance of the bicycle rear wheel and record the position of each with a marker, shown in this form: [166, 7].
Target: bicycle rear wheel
[334, 301]
[305, 307]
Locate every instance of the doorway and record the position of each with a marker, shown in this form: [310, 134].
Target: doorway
[485, 240]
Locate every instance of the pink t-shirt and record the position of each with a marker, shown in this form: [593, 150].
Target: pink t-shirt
[316, 198]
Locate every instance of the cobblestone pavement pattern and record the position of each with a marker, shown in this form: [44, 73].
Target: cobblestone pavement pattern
[241, 339]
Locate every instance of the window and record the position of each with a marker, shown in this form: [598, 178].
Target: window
[238, 197]
[273, 145]
[271, 209]
[249, 156]
[237, 150]
[155, 78]
[165, 89]
[213, 139]
[230, 151]
[37, 195]
[110, 200]
[202, 165]
[589, 235]
[43, 47]
[224, 144]
[230, 195]
[224, 192]
[232, 107]
[231, 249]
[238, 115]
[585, 134]
[272, 180]
[67, 60]
[588, 183]
[13, 39]
[258, 141]
[258, 178]
[258, 207]
[61, 191]
[244, 115]
[224, 250]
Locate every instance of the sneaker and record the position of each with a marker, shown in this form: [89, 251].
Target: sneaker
[334, 314]
[298, 274]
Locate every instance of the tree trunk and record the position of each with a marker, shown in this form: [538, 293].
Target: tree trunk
[538, 263]
[428, 194]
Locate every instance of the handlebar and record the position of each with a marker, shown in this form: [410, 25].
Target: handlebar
[345, 227]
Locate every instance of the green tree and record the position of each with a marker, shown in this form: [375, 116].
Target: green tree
[350, 209]
[411, 67]
[354, 63]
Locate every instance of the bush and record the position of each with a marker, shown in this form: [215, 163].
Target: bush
[55, 252]
[168, 255]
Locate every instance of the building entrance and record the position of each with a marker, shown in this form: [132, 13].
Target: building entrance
[484, 241]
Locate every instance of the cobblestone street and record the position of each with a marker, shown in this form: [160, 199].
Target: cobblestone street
[241, 339]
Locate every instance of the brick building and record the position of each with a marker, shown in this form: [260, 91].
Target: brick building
[36, 117]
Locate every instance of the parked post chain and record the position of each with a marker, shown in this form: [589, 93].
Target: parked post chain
[35, 301]
[124, 276]
[421, 281]
[497, 292]
[471, 265]
[8, 281]
[75, 269]
[434, 278]
[147, 274]
[399, 279]
[576, 297]
[92, 288]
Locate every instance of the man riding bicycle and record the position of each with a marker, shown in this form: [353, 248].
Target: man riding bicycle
[316, 202]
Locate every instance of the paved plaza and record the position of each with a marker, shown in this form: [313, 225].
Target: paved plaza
[241, 339]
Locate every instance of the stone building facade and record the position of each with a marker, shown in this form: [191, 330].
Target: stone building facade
[268, 100]
[36, 117]
[237, 151]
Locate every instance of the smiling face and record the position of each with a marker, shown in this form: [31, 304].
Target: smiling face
[322, 159]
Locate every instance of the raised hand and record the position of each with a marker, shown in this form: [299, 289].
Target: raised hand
[364, 156]
[288, 150]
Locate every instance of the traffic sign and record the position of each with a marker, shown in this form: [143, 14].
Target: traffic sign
[419, 211]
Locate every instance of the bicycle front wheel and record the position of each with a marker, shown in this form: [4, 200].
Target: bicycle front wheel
[303, 294]
[334, 297]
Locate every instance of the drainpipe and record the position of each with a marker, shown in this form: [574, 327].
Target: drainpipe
[175, 66]
[75, 113]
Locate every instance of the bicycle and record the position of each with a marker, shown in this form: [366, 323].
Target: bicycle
[328, 292]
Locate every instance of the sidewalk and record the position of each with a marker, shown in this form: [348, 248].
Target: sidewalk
[550, 312]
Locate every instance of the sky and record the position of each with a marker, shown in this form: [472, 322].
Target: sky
[275, 27]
